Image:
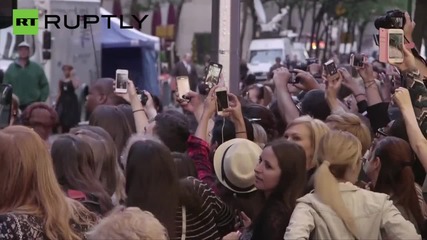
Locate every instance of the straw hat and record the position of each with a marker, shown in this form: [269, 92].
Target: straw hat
[234, 164]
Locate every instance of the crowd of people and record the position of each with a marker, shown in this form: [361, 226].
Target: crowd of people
[326, 157]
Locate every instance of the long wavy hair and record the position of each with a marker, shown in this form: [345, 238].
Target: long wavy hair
[395, 177]
[108, 169]
[74, 165]
[28, 184]
[292, 163]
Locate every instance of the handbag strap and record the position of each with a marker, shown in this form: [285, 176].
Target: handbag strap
[184, 223]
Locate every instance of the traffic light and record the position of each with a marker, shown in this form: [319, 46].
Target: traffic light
[6, 12]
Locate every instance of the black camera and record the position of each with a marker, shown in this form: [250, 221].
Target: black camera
[143, 98]
[393, 19]
[301, 66]
[294, 79]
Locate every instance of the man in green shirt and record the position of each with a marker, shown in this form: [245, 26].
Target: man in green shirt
[27, 78]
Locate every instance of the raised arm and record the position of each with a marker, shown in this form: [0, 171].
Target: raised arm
[301, 223]
[288, 110]
[416, 138]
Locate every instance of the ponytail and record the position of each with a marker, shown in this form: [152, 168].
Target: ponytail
[326, 188]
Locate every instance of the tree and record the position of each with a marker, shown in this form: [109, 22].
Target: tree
[364, 12]
[150, 5]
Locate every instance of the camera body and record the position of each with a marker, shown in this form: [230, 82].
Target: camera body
[357, 60]
[393, 19]
[142, 97]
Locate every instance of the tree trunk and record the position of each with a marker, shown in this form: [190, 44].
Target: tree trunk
[353, 31]
[243, 29]
[313, 26]
[302, 12]
[349, 27]
[254, 18]
[291, 9]
[319, 25]
[362, 28]
[178, 16]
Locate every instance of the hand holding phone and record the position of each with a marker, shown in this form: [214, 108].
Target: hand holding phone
[357, 60]
[122, 76]
[331, 70]
[391, 43]
[294, 79]
[221, 99]
[183, 87]
[212, 75]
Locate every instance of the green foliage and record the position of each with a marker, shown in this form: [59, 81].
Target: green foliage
[366, 10]
[151, 4]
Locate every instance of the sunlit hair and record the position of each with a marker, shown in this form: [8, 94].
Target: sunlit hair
[28, 184]
[260, 136]
[395, 177]
[317, 129]
[351, 123]
[340, 157]
[129, 223]
[107, 169]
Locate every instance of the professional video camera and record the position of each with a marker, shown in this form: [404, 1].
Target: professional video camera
[392, 19]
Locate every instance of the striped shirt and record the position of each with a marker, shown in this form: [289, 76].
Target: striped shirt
[215, 219]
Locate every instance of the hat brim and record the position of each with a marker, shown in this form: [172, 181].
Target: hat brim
[217, 160]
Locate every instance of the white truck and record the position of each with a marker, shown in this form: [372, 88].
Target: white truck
[77, 47]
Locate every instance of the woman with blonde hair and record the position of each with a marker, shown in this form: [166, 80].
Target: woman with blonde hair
[260, 136]
[307, 132]
[340, 210]
[351, 123]
[129, 223]
[32, 204]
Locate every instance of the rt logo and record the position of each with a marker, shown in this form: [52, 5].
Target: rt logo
[25, 21]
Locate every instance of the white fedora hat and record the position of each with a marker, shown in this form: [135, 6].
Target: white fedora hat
[234, 164]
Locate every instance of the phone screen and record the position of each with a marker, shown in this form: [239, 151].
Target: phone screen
[5, 105]
[331, 68]
[212, 77]
[121, 79]
[183, 85]
[222, 100]
[395, 43]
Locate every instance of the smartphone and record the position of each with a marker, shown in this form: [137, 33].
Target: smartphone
[183, 86]
[383, 45]
[122, 76]
[212, 74]
[294, 78]
[395, 46]
[357, 60]
[5, 105]
[331, 68]
[141, 96]
[221, 99]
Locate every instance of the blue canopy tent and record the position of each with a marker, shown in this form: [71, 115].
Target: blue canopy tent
[132, 50]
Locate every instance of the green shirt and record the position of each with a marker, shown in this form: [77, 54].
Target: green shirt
[29, 83]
